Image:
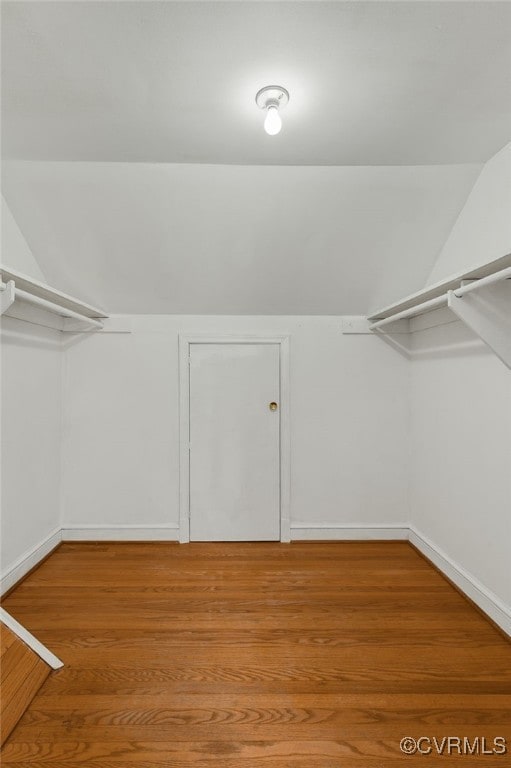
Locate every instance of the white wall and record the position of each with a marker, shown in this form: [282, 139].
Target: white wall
[349, 422]
[16, 252]
[31, 437]
[461, 413]
[461, 453]
[482, 231]
[31, 398]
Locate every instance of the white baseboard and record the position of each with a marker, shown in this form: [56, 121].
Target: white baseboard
[329, 531]
[486, 600]
[29, 560]
[42, 651]
[120, 533]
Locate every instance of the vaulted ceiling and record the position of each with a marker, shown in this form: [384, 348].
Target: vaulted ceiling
[193, 239]
[121, 119]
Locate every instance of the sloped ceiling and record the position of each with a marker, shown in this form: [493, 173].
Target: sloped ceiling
[154, 238]
[482, 231]
[139, 173]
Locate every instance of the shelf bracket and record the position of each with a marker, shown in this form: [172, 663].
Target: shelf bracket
[488, 314]
[7, 296]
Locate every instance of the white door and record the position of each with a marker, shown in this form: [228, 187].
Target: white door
[234, 442]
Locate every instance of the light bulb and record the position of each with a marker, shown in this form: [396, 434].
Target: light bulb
[273, 121]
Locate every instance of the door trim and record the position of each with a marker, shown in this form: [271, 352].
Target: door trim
[185, 341]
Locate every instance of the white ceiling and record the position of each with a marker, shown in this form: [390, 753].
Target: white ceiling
[371, 83]
[205, 239]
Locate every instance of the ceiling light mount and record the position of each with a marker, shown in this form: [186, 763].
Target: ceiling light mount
[272, 95]
[272, 98]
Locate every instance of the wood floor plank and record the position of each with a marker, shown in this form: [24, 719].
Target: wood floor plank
[15, 668]
[244, 753]
[281, 728]
[7, 638]
[22, 674]
[313, 654]
[21, 697]
[267, 638]
[401, 616]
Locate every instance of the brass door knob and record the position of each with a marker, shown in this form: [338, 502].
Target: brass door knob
[273, 406]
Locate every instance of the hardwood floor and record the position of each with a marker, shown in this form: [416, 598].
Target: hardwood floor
[308, 655]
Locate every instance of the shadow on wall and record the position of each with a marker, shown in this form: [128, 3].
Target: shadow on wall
[450, 339]
[27, 337]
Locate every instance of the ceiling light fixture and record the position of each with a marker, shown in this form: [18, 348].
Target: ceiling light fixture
[272, 98]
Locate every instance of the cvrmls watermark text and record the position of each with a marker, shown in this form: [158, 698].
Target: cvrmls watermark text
[453, 745]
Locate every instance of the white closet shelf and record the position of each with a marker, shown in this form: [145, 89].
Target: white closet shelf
[488, 315]
[439, 290]
[74, 315]
[42, 291]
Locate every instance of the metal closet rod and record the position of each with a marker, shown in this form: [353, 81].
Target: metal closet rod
[504, 274]
[425, 306]
[411, 311]
[52, 307]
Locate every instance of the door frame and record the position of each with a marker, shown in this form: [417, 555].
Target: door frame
[185, 342]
